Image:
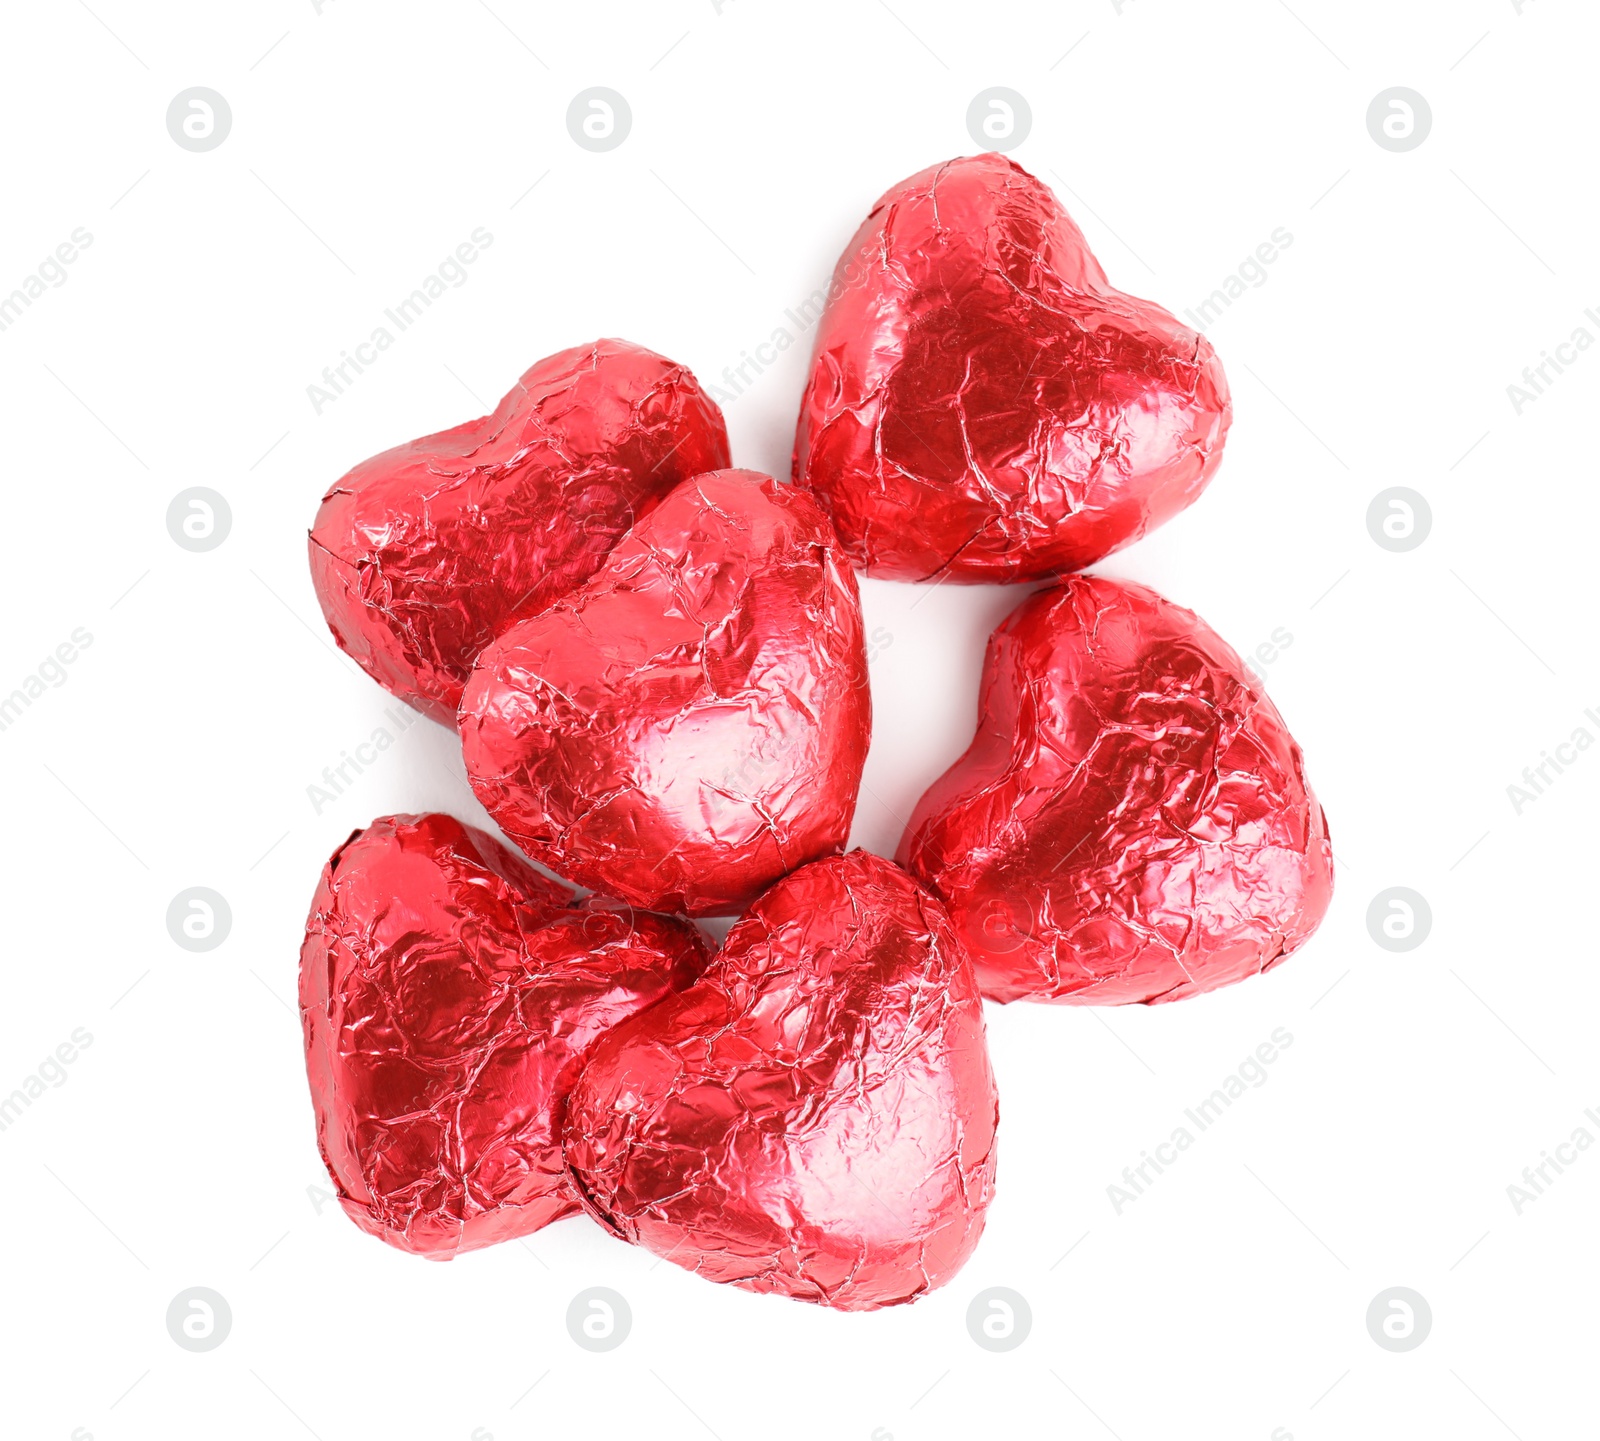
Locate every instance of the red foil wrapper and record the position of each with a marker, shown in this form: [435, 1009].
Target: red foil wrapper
[1132, 821]
[424, 554]
[816, 1116]
[983, 405]
[449, 994]
[691, 723]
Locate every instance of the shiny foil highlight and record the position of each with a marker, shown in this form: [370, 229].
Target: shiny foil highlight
[449, 994]
[424, 554]
[1132, 822]
[691, 723]
[983, 405]
[815, 1117]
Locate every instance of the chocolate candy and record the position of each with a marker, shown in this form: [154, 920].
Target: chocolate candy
[449, 994]
[816, 1115]
[690, 723]
[422, 555]
[983, 405]
[1132, 821]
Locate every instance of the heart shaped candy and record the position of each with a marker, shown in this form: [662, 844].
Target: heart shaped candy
[983, 405]
[816, 1115]
[422, 555]
[690, 723]
[449, 994]
[1132, 821]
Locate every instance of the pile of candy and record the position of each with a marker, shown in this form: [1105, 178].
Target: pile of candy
[657, 668]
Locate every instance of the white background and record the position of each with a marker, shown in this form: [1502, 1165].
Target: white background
[367, 142]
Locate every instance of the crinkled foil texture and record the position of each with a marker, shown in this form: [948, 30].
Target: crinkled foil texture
[816, 1116]
[691, 723]
[1132, 821]
[422, 555]
[449, 994]
[983, 405]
